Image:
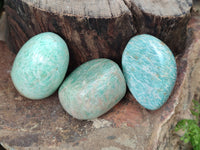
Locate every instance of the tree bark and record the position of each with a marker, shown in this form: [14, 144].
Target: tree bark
[165, 19]
[26, 124]
[94, 29]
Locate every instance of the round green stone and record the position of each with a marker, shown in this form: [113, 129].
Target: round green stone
[40, 66]
[92, 89]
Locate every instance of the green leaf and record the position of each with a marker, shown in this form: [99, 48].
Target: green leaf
[191, 127]
[186, 140]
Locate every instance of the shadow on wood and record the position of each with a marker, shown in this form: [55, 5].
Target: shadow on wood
[98, 29]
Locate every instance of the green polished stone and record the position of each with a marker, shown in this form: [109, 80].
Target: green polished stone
[150, 70]
[40, 66]
[92, 89]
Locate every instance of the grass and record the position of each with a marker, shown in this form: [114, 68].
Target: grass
[191, 127]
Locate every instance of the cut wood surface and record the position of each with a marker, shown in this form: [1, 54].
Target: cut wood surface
[165, 19]
[98, 28]
[43, 124]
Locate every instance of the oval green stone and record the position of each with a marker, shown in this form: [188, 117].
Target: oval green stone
[92, 89]
[40, 66]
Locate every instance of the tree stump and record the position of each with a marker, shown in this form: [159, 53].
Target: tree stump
[94, 29]
[26, 124]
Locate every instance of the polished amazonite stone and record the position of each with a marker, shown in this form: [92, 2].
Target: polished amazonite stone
[92, 89]
[150, 70]
[40, 65]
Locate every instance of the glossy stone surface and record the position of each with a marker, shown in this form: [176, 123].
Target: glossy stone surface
[150, 70]
[40, 66]
[92, 89]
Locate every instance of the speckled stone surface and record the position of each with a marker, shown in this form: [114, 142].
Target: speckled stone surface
[92, 89]
[40, 66]
[150, 70]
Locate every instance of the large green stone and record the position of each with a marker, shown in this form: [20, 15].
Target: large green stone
[40, 66]
[150, 70]
[92, 89]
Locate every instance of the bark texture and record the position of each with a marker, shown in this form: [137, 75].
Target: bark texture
[94, 29]
[33, 125]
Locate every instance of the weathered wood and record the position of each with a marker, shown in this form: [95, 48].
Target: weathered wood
[166, 19]
[94, 29]
[26, 124]
[3, 26]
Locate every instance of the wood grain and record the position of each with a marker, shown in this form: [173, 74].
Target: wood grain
[165, 19]
[88, 37]
[98, 28]
[26, 124]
